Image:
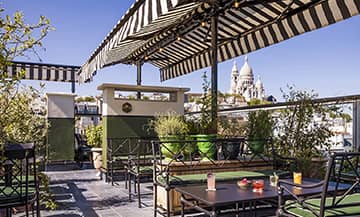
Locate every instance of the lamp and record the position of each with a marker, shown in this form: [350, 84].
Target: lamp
[236, 4]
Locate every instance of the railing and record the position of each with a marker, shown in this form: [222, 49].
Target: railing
[351, 103]
[87, 110]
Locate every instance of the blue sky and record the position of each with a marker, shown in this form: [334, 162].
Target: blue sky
[326, 60]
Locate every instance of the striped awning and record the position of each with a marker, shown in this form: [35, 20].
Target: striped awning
[144, 20]
[43, 71]
[181, 45]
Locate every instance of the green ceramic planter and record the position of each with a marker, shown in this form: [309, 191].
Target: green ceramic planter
[169, 149]
[190, 148]
[206, 146]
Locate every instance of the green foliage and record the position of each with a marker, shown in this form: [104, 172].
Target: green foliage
[85, 99]
[205, 101]
[303, 128]
[203, 123]
[131, 97]
[18, 38]
[255, 101]
[46, 197]
[19, 123]
[94, 136]
[169, 124]
[260, 125]
[231, 127]
[193, 125]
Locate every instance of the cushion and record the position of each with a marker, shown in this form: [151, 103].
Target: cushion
[144, 169]
[297, 210]
[120, 158]
[7, 194]
[201, 178]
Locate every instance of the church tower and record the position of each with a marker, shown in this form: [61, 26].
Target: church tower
[260, 91]
[234, 78]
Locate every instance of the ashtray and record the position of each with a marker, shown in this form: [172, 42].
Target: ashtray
[244, 183]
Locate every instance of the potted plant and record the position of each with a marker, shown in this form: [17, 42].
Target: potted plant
[170, 127]
[231, 128]
[207, 131]
[304, 132]
[260, 128]
[94, 136]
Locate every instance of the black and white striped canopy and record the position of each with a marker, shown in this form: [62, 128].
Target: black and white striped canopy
[42, 71]
[168, 34]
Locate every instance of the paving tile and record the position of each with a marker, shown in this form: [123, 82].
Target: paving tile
[80, 193]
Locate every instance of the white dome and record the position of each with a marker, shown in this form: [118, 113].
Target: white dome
[246, 69]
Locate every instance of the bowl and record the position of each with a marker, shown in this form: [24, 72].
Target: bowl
[244, 184]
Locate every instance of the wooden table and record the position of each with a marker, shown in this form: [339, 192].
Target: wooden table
[232, 195]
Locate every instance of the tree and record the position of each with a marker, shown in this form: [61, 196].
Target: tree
[303, 130]
[18, 121]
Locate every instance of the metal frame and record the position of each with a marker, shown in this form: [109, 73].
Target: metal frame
[139, 156]
[337, 173]
[115, 148]
[19, 164]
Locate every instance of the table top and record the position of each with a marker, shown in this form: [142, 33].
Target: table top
[230, 193]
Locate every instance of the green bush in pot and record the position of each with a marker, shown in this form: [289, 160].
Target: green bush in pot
[260, 127]
[170, 127]
[304, 131]
[205, 126]
[94, 136]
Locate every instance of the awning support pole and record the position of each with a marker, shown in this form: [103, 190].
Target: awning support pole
[73, 87]
[356, 125]
[214, 71]
[138, 77]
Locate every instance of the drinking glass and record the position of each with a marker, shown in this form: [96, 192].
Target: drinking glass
[297, 178]
[258, 185]
[274, 180]
[211, 182]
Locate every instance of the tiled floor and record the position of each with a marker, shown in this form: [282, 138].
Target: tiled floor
[81, 193]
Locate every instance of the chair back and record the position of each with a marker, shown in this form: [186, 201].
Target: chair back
[342, 168]
[19, 172]
[140, 153]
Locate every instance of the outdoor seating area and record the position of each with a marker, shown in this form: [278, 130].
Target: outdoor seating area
[179, 173]
[194, 149]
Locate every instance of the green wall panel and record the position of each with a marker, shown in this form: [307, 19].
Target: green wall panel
[60, 139]
[124, 126]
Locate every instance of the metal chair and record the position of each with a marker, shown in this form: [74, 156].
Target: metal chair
[140, 166]
[342, 168]
[18, 182]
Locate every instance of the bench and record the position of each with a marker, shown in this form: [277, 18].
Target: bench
[342, 168]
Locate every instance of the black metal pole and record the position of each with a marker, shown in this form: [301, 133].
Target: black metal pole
[73, 87]
[214, 70]
[138, 78]
[356, 123]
